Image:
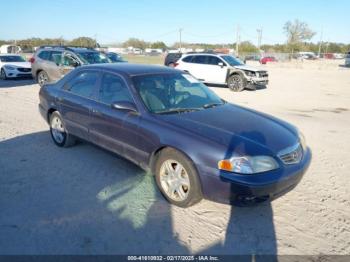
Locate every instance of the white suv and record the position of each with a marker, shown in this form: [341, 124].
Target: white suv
[222, 69]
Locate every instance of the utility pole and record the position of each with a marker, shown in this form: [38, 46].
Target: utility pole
[237, 40]
[320, 44]
[95, 36]
[259, 37]
[180, 32]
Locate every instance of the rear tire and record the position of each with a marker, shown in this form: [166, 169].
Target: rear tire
[42, 78]
[3, 74]
[177, 178]
[236, 83]
[58, 132]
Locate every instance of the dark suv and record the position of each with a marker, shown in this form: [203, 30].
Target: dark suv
[171, 59]
[51, 63]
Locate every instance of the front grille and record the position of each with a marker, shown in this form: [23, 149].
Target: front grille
[24, 69]
[292, 155]
[263, 74]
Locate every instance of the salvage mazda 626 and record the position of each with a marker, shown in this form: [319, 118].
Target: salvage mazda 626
[166, 121]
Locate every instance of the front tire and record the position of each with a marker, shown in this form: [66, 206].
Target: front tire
[236, 83]
[3, 74]
[177, 178]
[58, 132]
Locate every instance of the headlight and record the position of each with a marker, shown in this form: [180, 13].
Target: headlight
[302, 141]
[249, 73]
[9, 67]
[248, 164]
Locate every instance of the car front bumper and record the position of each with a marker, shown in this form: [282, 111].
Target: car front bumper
[229, 188]
[21, 72]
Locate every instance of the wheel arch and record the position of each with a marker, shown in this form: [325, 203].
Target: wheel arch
[155, 154]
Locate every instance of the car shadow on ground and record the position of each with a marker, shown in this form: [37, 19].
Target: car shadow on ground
[83, 200]
[16, 82]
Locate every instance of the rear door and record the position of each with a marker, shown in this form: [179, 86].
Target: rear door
[199, 67]
[45, 63]
[53, 65]
[116, 130]
[75, 102]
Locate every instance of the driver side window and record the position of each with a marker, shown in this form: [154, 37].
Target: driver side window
[113, 89]
[69, 60]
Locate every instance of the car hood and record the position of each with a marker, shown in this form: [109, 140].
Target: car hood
[248, 68]
[19, 64]
[238, 128]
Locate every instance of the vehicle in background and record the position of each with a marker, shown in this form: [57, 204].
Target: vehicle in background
[338, 56]
[171, 59]
[252, 58]
[10, 49]
[347, 59]
[12, 65]
[222, 69]
[115, 57]
[197, 145]
[328, 56]
[51, 63]
[267, 59]
[307, 55]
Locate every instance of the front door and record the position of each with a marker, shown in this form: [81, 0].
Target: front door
[68, 63]
[216, 70]
[114, 129]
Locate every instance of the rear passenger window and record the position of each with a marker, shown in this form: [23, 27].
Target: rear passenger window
[188, 59]
[83, 84]
[45, 55]
[200, 59]
[113, 89]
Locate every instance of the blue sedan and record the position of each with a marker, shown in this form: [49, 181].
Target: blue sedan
[167, 122]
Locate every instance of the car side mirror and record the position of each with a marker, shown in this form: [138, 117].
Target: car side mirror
[75, 64]
[124, 105]
[221, 64]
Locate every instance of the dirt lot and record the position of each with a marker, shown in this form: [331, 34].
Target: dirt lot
[83, 200]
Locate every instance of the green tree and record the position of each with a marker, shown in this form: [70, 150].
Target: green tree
[84, 42]
[297, 32]
[136, 43]
[160, 45]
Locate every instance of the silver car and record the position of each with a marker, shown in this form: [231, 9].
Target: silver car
[51, 63]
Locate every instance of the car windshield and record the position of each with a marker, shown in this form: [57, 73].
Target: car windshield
[231, 60]
[174, 93]
[93, 57]
[12, 58]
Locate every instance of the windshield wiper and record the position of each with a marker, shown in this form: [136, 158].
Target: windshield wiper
[178, 110]
[212, 105]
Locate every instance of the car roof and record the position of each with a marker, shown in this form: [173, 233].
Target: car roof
[212, 54]
[133, 69]
[10, 55]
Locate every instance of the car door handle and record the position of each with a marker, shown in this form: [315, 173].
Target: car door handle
[59, 99]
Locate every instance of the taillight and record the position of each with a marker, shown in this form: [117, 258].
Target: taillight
[176, 64]
[32, 60]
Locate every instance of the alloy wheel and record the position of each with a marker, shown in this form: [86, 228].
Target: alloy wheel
[235, 83]
[174, 180]
[57, 129]
[42, 78]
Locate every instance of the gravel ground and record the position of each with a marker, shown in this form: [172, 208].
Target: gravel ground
[84, 200]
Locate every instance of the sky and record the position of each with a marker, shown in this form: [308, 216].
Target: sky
[202, 21]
